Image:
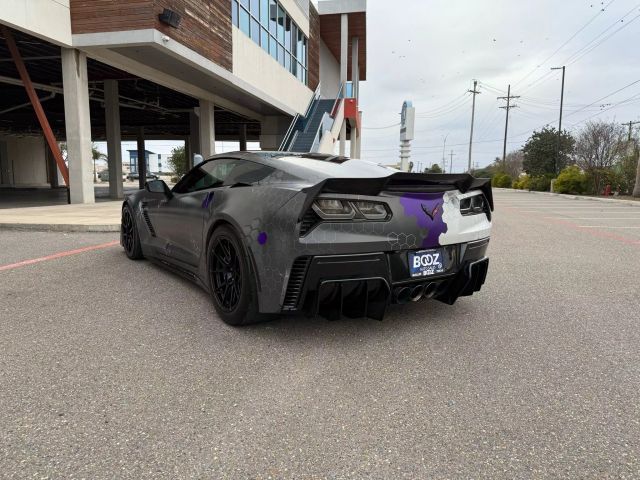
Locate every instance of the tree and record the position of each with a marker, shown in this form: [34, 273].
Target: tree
[636, 189]
[541, 150]
[435, 168]
[599, 146]
[95, 155]
[489, 171]
[513, 163]
[627, 169]
[178, 161]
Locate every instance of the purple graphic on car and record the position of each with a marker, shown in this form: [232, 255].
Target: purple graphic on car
[207, 201]
[262, 238]
[427, 208]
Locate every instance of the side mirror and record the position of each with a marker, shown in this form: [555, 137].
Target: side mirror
[158, 186]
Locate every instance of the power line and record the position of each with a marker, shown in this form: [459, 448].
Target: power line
[566, 42]
[588, 47]
[382, 128]
[615, 105]
[605, 97]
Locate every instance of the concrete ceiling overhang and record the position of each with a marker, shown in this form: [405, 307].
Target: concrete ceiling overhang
[162, 111]
[330, 29]
[154, 56]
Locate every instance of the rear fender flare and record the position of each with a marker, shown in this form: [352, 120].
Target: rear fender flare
[230, 222]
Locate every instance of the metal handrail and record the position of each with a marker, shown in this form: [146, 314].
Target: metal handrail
[287, 140]
[339, 97]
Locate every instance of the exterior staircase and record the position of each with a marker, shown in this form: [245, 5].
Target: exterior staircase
[306, 136]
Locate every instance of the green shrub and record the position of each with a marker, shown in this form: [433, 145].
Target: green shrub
[522, 183]
[571, 180]
[501, 180]
[540, 183]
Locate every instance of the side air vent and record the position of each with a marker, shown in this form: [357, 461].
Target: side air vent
[310, 220]
[296, 280]
[147, 220]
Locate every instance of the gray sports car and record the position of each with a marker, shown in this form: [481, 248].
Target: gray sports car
[274, 232]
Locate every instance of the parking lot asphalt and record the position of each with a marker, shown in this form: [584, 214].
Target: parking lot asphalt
[117, 369]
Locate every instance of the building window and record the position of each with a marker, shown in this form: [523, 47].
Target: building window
[267, 23]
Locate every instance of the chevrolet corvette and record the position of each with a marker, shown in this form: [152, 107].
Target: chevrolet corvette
[271, 233]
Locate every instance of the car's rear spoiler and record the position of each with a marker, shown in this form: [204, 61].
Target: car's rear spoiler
[401, 182]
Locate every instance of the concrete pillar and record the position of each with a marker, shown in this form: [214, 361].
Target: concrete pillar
[344, 47]
[343, 139]
[243, 137]
[207, 129]
[142, 158]
[344, 64]
[52, 169]
[114, 139]
[359, 144]
[272, 131]
[77, 125]
[194, 136]
[355, 67]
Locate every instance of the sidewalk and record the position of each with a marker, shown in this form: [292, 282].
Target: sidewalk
[96, 217]
[633, 203]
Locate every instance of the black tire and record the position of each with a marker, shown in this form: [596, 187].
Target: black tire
[129, 234]
[231, 282]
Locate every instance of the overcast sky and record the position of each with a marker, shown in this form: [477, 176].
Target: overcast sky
[429, 52]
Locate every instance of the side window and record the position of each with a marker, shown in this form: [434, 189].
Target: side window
[247, 173]
[223, 172]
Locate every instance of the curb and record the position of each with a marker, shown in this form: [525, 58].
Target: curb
[631, 203]
[59, 227]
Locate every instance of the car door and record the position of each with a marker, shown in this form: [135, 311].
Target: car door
[179, 219]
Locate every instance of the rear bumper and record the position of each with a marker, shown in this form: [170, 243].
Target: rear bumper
[363, 285]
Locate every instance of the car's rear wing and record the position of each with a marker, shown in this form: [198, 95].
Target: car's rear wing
[401, 182]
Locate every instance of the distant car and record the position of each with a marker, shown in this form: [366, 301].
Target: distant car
[104, 176]
[279, 232]
[135, 176]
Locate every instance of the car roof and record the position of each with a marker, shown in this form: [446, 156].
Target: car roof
[313, 166]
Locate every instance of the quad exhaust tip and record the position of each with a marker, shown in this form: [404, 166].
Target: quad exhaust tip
[415, 293]
[402, 295]
[430, 290]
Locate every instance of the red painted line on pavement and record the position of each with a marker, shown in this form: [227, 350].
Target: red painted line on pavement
[67, 253]
[576, 227]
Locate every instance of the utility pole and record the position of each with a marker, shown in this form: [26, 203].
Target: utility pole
[473, 114]
[451, 161]
[444, 147]
[631, 124]
[507, 107]
[560, 122]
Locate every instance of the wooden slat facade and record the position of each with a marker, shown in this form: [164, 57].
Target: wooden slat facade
[314, 48]
[205, 26]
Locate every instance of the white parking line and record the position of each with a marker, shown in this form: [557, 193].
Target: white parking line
[607, 226]
[561, 210]
[595, 218]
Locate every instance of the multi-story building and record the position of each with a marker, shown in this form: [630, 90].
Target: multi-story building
[284, 73]
[155, 162]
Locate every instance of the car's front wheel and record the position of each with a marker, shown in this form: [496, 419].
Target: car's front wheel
[129, 234]
[232, 284]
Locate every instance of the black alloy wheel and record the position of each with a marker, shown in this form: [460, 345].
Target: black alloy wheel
[129, 234]
[231, 281]
[226, 274]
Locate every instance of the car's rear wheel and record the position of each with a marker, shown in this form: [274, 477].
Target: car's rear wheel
[232, 284]
[129, 234]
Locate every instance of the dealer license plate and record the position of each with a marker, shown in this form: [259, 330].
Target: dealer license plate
[427, 262]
